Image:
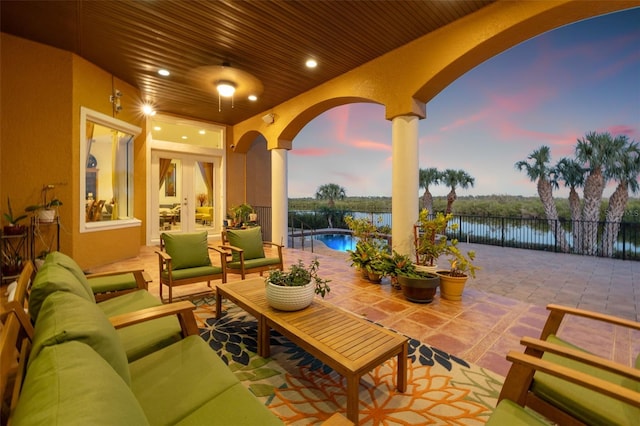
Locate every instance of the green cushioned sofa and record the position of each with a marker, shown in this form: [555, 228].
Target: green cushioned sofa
[78, 373]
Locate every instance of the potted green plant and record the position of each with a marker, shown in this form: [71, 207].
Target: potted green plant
[419, 286]
[430, 239]
[369, 250]
[241, 213]
[453, 280]
[396, 264]
[294, 289]
[46, 211]
[13, 227]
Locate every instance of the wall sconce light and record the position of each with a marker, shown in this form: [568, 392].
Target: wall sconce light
[115, 101]
[225, 89]
[269, 118]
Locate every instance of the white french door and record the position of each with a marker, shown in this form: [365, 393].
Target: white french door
[186, 193]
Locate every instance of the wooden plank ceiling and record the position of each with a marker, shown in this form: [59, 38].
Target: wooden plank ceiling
[268, 39]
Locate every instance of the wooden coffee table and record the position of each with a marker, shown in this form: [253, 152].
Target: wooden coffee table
[351, 345]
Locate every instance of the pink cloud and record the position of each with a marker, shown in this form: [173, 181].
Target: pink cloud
[460, 122]
[311, 152]
[621, 129]
[370, 145]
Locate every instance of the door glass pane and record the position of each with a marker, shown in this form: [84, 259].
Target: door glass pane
[203, 175]
[170, 194]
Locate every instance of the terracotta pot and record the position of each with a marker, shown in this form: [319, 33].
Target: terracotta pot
[292, 298]
[451, 288]
[419, 290]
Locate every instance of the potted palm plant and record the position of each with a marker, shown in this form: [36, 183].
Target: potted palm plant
[453, 280]
[294, 289]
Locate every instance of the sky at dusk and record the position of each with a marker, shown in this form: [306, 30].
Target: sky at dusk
[550, 90]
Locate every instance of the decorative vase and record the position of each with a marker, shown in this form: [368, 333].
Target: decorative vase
[290, 298]
[451, 288]
[419, 289]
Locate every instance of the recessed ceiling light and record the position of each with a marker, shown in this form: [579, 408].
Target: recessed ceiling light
[148, 110]
[311, 63]
[184, 137]
[253, 98]
[202, 132]
[157, 128]
[164, 72]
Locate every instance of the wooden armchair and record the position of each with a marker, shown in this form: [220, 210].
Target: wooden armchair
[622, 402]
[564, 401]
[245, 252]
[184, 259]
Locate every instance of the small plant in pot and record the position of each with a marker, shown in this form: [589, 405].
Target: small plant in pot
[294, 289]
[13, 227]
[45, 212]
[430, 238]
[397, 264]
[419, 286]
[453, 280]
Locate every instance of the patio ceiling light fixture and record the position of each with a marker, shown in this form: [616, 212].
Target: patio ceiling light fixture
[225, 89]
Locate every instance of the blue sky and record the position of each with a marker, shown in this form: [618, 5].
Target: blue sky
[550, 90]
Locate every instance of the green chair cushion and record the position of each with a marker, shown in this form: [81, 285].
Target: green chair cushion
[142, 339]
[254, 263]
[117, 282]
[199, 271]
[70, 384]
[171, 383]
[235, 406]
[589, 406]
[249, 240]
[69, 264]
[187, 250]
[508, 413]
[50, 279]
[65, 317]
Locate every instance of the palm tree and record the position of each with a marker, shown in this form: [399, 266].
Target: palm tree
[625, 171]
[539, 171]
[572, 174]
[597, 152]
[428, 177]
[453, 178]
[331, 192]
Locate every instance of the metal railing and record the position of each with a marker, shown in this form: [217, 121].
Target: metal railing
[514, 232]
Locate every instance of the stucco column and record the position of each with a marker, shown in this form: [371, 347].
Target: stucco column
[279, 196]
[404, 180]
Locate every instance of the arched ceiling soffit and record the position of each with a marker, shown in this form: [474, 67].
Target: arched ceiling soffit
[405, 79]
[288, 121]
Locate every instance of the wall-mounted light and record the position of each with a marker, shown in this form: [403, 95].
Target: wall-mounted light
[269, 118]
[115, 101]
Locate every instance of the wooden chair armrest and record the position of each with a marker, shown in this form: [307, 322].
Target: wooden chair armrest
[16, 308]
[272, 244]
[557, 313]
[163, 256]
[184, 311]
[141, 276]
[537, 347]
[232, 248]
[525, 365]
[111, 273]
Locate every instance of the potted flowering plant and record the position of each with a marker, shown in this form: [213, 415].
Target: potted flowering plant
[13, 227]
[453, 280]
[46, 211]
[430, 239]
[294, 289]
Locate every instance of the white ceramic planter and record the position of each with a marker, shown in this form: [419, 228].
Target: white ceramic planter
[46, 215]
[290, 298]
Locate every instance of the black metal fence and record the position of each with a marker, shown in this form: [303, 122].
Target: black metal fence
[527, 233]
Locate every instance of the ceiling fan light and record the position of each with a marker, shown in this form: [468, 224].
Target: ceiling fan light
[226, 89]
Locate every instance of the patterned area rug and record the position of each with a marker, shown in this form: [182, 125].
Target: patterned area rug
[442, 389]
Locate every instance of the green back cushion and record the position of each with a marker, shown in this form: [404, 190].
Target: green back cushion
[187, 250]
[65, 317]
[249, 240]
[70, 384]
[69, 264]
[52, 278]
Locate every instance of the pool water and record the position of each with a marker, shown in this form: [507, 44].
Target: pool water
[339, 242]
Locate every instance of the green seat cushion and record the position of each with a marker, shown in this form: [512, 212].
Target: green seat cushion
[175, 381]
[199, 271]
[254, 263]
[70, 384]
[249, 240]
[187, 250]
[65, 317]
[69, 264]
[118, 282]
[51, 278]
[508, 413]
[147, 337]
[235, 406]
[589, 406]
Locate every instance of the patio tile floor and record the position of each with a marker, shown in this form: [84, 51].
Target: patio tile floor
[505, 302]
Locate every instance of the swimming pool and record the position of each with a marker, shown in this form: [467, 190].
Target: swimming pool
[341, 242]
